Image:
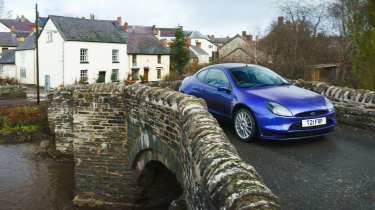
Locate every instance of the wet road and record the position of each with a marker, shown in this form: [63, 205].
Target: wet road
[332, 172]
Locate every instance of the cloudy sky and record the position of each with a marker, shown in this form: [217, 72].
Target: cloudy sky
[219, 17]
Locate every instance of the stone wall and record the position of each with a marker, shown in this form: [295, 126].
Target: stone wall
[114, 132]
[353, 107]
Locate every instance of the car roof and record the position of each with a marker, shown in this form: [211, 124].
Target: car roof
[229, 66]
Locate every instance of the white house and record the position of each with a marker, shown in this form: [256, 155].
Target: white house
[147, 57]
[26, 61]
[201, 41]
[8, 64]
[76, 49]
[198, 55]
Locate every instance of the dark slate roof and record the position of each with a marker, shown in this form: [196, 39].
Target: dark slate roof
[42, 21]
[140, 29]
[87, 30]
[29, 43]
[8, 57]
[198, 50]
[220, 40]
[8, 39]
[145, 44]
[18, 24]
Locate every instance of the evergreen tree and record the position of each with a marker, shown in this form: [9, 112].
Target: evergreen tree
[179, 52]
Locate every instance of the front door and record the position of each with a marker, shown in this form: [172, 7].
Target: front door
[145, 75]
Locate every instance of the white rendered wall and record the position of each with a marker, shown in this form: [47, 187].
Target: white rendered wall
[151, 62]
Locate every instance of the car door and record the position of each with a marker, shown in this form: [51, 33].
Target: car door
[217, 93]
[198, 85]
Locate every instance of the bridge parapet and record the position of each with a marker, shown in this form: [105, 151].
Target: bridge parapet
[115, 132]
[353, 106]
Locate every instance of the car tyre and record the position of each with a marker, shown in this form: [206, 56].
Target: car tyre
[244, 125]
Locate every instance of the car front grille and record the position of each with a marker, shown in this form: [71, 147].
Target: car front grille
[315, 113]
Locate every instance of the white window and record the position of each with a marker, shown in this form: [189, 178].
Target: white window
[23, 72]
[159, 59]
[49, 36]
[83, 76]
[158, 73]
[115, 56]
[210, 46]
[114, 75]
[84, 56]
[1, 69]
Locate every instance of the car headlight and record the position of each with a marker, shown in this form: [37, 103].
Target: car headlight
[278, 109]
[329, 105]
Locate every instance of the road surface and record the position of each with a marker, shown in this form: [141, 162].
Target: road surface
[332, 172]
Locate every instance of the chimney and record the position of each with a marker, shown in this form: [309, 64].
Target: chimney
[119, 20]
[13, 29]
[126, 27]
[244, 34]
[23, 19]
[154, 31]
[280, 20]
[198, 44]
[251, 37]
[188, 41]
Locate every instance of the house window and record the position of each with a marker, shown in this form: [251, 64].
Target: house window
[101, 77]
[134, 60]
[4, 49]
[114, 75]
[159, 59]
[210, 46]
[1, 69]
[83, 76]
[49, 37]
[23, 72]
[84, 56]
[158, 73]
[115, 56]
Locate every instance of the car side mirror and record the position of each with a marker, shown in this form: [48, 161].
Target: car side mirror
[224, 89]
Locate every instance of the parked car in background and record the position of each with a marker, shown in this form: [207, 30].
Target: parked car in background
[261, 103]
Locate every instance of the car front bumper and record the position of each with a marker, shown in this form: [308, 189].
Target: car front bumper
[290, 128]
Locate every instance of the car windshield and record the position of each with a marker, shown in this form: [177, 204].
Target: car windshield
[256, 76]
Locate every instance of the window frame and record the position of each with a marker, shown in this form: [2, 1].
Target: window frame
[84, 78]
[229, 86]
[158, 73]
[134, 60]
[23, 73]
[115, 56]
[49, 37]
[117, 75]
[84, 56]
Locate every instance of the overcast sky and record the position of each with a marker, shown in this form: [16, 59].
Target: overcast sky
[219, 17]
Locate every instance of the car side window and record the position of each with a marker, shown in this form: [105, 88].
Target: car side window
[217, 78]
[202, 75]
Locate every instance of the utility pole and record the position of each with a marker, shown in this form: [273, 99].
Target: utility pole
[37, 53]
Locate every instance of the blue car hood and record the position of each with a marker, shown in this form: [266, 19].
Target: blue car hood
[296, 99]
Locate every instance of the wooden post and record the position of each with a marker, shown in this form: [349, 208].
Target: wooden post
[37, 52]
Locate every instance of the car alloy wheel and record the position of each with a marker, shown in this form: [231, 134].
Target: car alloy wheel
[244, 125]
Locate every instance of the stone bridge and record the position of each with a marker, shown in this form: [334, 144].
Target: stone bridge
[150, 148]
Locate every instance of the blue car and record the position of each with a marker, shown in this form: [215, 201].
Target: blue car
[260, 103]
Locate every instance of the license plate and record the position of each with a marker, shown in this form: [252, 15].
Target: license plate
[314, 122]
